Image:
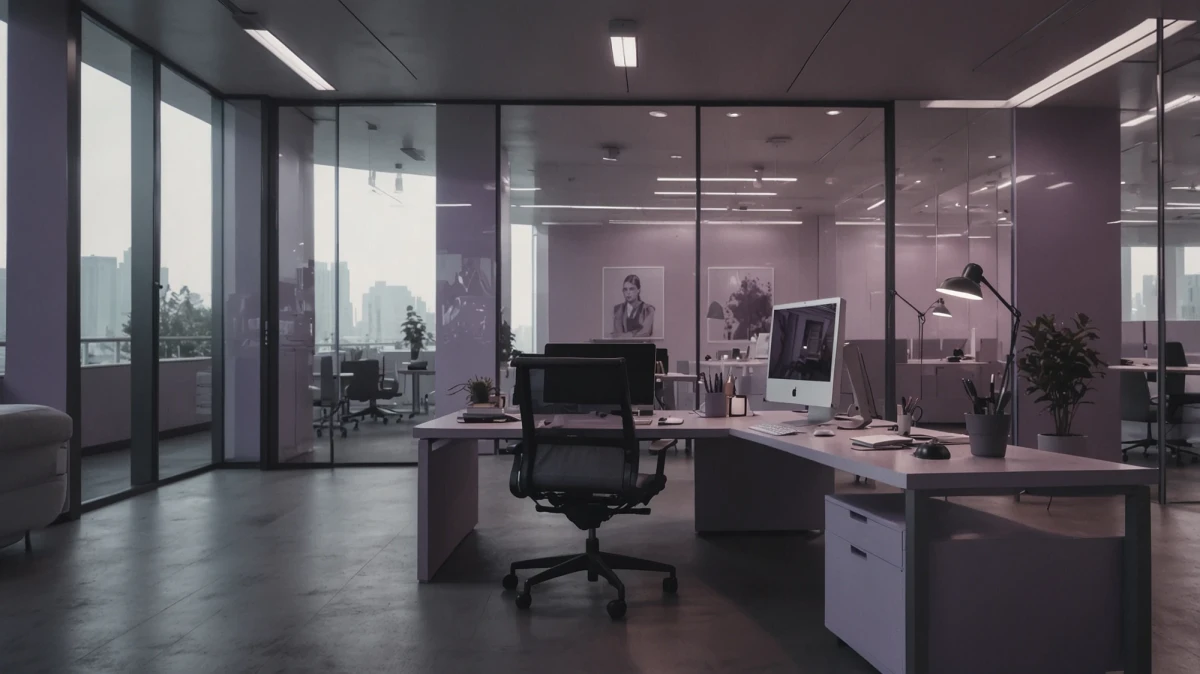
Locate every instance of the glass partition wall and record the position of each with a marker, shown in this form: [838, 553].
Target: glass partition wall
[953, 207]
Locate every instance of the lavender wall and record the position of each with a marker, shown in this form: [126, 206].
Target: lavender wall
[242, 272]
[43, 234]
[466, 248]
[1067, 258]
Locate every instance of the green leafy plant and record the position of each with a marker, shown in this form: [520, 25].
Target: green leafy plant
[478, 389]
[181, 314]
[1060, 364]
[416, 335]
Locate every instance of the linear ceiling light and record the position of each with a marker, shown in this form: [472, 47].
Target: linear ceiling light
[620, 208]
[754, 222]
[1132, 41]
[1153, 112]
[250, 24]
[1110, 53]
[1056, 186]
[727, 180]
[623, 38]
[453, 205]
[1185, 188]
[717, 194]
[764, 210]
[1008, 183]
[877, 204]
[524, 189]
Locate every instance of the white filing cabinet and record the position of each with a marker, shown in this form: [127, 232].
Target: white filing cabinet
[985, 574]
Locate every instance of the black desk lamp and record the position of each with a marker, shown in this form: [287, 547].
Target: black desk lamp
[938, 308]
[968, 287]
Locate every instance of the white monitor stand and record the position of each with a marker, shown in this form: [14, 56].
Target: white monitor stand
[862, 411]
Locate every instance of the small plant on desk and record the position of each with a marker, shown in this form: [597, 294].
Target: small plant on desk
[479, 390]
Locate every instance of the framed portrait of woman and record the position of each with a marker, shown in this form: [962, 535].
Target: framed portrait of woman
[632, 303]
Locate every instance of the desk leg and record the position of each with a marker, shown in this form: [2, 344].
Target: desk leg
[916, 582]
[447, 500]
[416, 394]
[1136, 582]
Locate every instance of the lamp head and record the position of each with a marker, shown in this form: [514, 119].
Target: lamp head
[965, 286]
[939, 309]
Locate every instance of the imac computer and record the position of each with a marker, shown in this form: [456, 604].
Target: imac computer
[806, 359]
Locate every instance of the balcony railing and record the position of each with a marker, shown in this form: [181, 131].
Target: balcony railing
[116, 350]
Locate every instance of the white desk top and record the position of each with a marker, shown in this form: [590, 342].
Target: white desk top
[943, 361]
[757, 362]
[1022, 468]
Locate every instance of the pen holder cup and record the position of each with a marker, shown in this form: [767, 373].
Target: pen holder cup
[904, 423]
[988, 434]
[714, 404]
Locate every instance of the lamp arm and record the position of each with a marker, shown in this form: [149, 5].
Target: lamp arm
[920, 314]
[1011, 309]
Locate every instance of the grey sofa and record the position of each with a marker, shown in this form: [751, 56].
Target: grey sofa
[33, 469]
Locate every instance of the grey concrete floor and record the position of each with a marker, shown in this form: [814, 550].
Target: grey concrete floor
[108, 472]
[315, 571]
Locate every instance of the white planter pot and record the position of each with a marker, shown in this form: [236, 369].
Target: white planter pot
[1063, 444]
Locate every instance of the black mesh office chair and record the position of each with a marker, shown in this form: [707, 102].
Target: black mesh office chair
[581, 459]
[367, 387]
[328, 399]
[1177, 397]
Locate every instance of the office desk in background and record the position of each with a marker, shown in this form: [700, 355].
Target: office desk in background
[416, 375]
[1152, 368]
[749, 482]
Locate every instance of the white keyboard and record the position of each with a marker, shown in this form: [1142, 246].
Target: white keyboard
[775, 429]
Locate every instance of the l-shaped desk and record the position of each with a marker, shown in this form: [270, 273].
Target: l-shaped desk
[746, 481]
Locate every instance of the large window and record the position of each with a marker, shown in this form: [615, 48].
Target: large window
[105, 273]
[3, 180]
[185, 319]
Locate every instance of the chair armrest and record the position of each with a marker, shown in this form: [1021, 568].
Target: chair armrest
[514, 475]
[662, 454]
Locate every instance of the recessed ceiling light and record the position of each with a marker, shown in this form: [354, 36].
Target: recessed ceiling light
[993, 156]
[916, 182]
[733, 114]
[524, 189]
[676, 156]
[1122, 182]
[249, 23]
[622, 37]
[833, 113]
[657, 113]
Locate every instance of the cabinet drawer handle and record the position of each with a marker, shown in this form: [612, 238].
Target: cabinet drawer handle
[856, 551]
[858, 518]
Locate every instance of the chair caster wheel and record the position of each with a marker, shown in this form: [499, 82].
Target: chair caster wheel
[510, 581]
[671, 585]
[1125, 459]
[524, 600]
[616, 609]
[318, 433]
[343, 434]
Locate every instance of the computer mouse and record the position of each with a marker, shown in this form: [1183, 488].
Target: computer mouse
[823, 433]
[932, 450]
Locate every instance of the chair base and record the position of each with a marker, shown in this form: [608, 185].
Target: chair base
[373, 411]
[597, 564]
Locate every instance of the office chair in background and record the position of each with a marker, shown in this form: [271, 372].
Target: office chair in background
[327, 399]
[584, 466]
[366, 387]
[1174, 392]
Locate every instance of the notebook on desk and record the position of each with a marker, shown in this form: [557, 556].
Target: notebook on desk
[881, 442]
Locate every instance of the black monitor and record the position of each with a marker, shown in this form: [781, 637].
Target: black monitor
[639, 367]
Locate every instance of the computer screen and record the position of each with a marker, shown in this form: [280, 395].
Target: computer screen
[806, 341]
[639, 367]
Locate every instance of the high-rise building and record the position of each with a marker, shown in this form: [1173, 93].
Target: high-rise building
[385, 308]
[100, 312]
[324, 289]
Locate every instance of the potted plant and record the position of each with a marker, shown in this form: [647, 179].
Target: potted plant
[416, 335]
[1059, 364]
[479, 390]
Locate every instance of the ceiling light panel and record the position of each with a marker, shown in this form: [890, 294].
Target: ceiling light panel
[1132, 41]
[727, 180]
[289, 58]
[717, 194]
[1153, 113]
